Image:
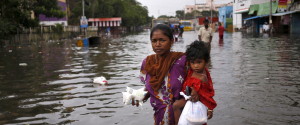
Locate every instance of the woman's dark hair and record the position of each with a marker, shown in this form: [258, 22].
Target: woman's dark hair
[197, 50]
[164, 28]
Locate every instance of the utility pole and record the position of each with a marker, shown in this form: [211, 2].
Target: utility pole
[211, 10]
[82, 7]
[195, 9]
[84, 29]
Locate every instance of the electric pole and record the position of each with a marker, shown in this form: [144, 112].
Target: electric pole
[211, 10]
[270, 16]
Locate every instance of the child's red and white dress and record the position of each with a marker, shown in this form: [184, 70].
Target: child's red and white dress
[205, 90]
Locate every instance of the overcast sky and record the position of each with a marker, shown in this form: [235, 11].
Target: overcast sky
[169, 7]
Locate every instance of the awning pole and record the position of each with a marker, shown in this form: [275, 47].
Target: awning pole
[270, 16]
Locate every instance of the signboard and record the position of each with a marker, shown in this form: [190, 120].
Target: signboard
[83, 22]
[242, 6]
[283, 5]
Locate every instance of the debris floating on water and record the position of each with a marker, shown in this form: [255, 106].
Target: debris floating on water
[100, 80]
[22, 64]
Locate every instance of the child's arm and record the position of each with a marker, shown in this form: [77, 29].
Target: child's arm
[194, 95]
[209, 114]
[147, 96]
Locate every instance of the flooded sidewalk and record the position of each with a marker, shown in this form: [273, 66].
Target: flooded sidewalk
[256, 80]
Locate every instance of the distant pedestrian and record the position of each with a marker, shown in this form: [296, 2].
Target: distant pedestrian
[221, 30]
[181, 29]
[266, 28]
[205, 34]
[107, 31]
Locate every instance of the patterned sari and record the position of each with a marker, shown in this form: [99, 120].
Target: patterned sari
[163, 99]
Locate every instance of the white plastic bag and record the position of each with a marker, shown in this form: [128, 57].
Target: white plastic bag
[194, 113]
[127, 98]
[131, 94]
[139, 94]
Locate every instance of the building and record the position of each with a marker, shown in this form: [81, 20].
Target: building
[105, 22]
[203, 7]
[225, 16]
[252, 14]
[51, 21]
[240, 7]
[288, 16]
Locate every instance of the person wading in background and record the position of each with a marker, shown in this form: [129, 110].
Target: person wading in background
[205, 34]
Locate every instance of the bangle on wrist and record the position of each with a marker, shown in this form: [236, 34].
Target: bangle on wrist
[210, 110]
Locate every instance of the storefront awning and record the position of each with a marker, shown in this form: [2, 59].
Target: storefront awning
[255, 17]
[264, 8]
[285, 13]
[253, 8]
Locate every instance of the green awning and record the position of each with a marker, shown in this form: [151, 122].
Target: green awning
[264, 8]
[253, 8]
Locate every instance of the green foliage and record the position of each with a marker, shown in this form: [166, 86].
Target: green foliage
[47, 7]
[165, 16]
[16, 14]
[131, 11]
[6, 28]
[180, 14]
[58, 28]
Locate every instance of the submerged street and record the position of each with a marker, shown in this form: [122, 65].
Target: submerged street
[256, 80]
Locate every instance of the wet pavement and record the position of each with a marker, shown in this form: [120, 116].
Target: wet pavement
[256, 80]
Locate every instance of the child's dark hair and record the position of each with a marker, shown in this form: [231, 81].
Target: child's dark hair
[197, 50]
[164, 28]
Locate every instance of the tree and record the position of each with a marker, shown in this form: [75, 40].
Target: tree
[194, 14]
[131, 11]
[16, 14]
[180, 14]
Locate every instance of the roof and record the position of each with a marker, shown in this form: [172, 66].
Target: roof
[105, 19]
[285, 13]
[254, 17]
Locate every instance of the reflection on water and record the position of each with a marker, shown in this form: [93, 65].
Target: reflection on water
[256, 80]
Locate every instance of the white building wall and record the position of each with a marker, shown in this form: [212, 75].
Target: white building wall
[51, 23]
[203, 6]
[237, 18]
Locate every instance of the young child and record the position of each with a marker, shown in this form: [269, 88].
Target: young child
[198, 79]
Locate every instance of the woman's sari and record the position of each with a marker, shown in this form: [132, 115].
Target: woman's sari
[162, 99]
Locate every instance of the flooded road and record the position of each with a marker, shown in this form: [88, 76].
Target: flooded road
[256, 80]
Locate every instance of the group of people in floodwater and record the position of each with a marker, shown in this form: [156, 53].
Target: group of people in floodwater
[167, 73]
[177, 30]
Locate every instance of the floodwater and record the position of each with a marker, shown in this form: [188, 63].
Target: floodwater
[256, 80]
